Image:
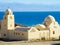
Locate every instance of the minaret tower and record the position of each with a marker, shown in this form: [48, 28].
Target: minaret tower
[8, 20]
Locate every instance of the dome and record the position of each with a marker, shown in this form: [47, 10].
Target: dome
[42, 26]
[48, 20]
[8, 12]
[51, 17]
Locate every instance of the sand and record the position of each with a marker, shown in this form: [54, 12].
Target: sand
[30, 43]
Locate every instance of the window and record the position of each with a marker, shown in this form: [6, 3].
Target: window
[53, 32]
[18, 33]
[10, 17]
[4, 34]
[15, 33]
[22, 34]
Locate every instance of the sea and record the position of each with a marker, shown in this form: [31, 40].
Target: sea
[32, 18]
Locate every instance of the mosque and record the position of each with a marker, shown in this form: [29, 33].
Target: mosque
[48, 30]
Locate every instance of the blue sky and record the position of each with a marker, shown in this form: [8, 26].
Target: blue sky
[30, 5]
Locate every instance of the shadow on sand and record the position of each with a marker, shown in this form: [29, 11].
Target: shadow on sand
[6, 40]
[56, 44]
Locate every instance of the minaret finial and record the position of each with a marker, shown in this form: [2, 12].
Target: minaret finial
[8, 12]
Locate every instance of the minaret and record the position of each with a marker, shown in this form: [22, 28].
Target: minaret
[8, 20]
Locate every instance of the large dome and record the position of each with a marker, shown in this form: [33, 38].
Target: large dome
[48, 20]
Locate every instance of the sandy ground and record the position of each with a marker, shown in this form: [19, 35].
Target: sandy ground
[30, 43]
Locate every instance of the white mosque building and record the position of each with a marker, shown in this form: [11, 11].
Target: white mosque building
[48, 30]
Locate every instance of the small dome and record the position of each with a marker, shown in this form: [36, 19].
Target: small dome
[8, 12]
[41, 25]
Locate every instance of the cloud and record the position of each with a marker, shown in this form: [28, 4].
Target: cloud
[47, 2]
[30, 5]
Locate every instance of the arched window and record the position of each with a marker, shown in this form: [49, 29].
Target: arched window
[53, 32]
[4, 34]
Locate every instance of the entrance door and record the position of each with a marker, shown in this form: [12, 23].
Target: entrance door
[59, 37]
